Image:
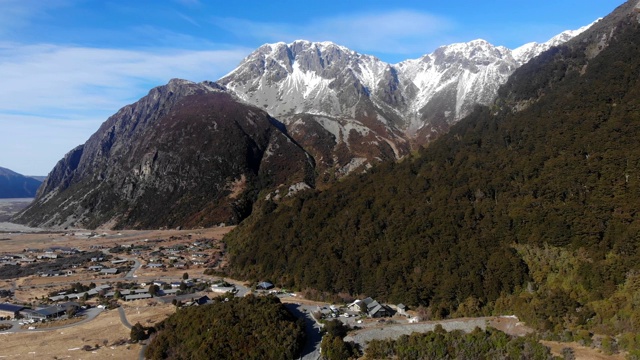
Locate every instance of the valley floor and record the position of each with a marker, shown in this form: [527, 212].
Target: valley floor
[105, 335]
[9, 207]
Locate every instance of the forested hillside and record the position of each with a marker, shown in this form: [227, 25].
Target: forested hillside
[439, 344]
[242, 328]
[528, 206]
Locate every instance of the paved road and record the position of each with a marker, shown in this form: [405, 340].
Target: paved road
[144, 348]
[125, 322]
[136, 266]
[242, 290]
[123, 318]
[311, 350]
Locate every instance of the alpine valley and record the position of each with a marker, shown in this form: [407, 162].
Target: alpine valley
[289, 117]
[473, 181]
[529, 206]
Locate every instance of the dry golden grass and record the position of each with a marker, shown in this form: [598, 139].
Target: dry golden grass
[17, 242]
[140, 311]
[68, 342]
[106, 328]
[57, 323]
[581, 352]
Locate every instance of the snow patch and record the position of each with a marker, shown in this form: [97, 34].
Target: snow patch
[293, 189]
[304, 82]
[352, 165]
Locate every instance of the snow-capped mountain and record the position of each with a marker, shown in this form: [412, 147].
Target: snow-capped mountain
[341, 106]
[442, 87]
[530, 50]
[349, 109]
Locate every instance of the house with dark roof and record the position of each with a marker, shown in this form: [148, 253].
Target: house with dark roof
[169, 291]
[137, 297]
[9, 311]
[202, 301]
[373, 308]
[377, 310]
[46, 313]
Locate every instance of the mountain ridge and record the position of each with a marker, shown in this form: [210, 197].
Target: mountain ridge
[325, 90]
[339, 111]
[187, 154]
[15, 185]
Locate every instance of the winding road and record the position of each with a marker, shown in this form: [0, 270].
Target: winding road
[125, 322]
[311, 350]
[123, 318]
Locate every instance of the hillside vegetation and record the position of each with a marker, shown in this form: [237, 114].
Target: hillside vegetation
[439, 344]
[532, 211]
[242, 328]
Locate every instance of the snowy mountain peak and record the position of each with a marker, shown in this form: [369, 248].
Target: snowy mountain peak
[530, 50]
[330, 95]
[298, 77]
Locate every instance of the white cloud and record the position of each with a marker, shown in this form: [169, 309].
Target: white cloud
[53, 97]
[399, 32]
[37, 77]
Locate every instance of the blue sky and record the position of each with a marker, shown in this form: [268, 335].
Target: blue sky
[67, 65]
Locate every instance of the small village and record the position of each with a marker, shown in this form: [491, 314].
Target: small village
[57, 286]
[86, 291]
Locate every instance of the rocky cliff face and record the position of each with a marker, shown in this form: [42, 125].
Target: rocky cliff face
[187, 154]
[328, 97]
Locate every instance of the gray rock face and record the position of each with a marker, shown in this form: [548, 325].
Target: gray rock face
[186, 154]
[337, 104]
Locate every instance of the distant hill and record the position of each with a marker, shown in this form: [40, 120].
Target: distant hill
[14, 185]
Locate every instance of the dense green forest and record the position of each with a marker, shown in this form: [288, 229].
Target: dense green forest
[532, 211]
[242, 328]
[439, 344]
